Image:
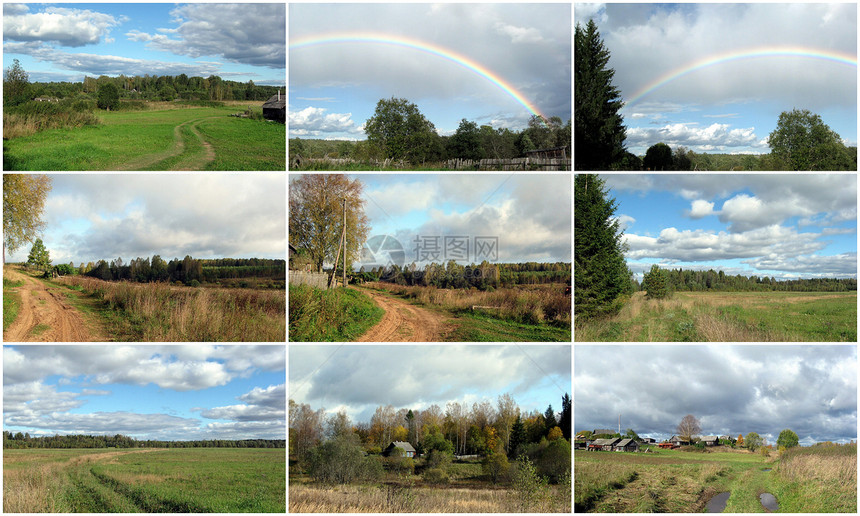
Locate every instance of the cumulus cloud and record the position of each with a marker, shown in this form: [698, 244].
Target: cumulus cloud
[252, 34]
[64, 26]
[715, 136]
[701, 209]
[730, 389]
[418, 376]
[136, 216]
[260, 405]
[315, 122]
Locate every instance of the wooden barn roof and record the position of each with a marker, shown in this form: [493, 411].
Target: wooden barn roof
[275, 103]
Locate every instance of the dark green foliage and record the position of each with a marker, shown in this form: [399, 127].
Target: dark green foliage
[697, 281]
[39, 256]
[466, 142]
[753, 441]
[803, 141]
[564, 419]
[681, 159]
[518, 437]
[599, 131]
[20, 440]
[656, 284]
[436, 441]
[495, 466]
[787, 438]
[108, 97]
[400, 130]
[551, 459]
[16, 85]
[435, 476]
[600, 274]
[628, 161]
[658, 157]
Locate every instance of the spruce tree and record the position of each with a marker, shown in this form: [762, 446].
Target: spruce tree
[600, 272]
[655, 284]
[599, 132]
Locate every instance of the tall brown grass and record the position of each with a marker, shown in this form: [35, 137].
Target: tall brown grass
[365, 498]
[819, 478]
[529, 305]
[16, 125]
[37, 488]
[158, 312]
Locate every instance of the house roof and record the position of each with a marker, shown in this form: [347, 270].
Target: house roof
[606, 442]
[275, 102]
[709, 438]
[402, 445]
[625, 442]
[603, 431]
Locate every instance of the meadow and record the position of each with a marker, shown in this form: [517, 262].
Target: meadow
[817, 479]
[144, 480]
[330, 315]
[163, 312]
[729, 317]
[166, 136]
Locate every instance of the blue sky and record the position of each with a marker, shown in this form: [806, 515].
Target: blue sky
[775, 225]
[147, 392]
[65, 42]
[731, 390]
[334, 88]
[91, 217]
[731, 107]
[357, 378]
[528, 214]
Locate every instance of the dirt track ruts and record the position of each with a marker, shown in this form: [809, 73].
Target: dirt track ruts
[41, 304]
[404, 322]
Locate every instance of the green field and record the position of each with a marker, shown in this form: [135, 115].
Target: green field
[144, 480]
[729, 317]
[330, 315]
[818, 479]
[198, 138]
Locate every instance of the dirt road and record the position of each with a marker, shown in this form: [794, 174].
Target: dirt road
[45, 315]
[404, 322]
[192, 159]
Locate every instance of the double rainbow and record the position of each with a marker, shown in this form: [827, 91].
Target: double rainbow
[422, 46]
[737, 55]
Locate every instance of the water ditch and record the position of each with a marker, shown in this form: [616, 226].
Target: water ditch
[768, 501]
[718, 502]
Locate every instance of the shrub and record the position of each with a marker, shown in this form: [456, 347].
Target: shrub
[436, 476]
[532, 490]
[496, 466]
[108, 97]
[340, 460]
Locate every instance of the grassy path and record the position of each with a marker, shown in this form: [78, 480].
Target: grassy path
[188, 152]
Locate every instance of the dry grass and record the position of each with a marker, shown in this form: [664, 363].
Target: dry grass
[16, 125]
[159, 312]
[530, 305]
[352, 498]
[37, 488]
[818, 479]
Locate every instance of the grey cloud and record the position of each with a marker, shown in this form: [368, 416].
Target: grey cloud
[252, 34]
[731, 389]
[260, 405]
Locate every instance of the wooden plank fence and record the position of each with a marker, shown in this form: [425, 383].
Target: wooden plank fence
[510, 164]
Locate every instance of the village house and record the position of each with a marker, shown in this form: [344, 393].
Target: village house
[604, 444]
[603, 431]
[679, 441]
[407, 449]
[275, 108]
[649, 440]
[711, 440]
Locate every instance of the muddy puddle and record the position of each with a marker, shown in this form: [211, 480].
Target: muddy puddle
[768, 501]
[718, 502]
[766, 469]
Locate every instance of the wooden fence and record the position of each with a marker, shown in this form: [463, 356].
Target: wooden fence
[314, 279]
[509, 164]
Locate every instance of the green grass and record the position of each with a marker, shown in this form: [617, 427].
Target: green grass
[478, 327]
[330, 315]
[730, 317]
[40, 329]
[129, 137]
[11, 302]
[175, 480]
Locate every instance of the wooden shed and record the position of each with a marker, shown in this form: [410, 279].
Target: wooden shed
[408, 450]
[276, 108]
[627, 445]
[711, 440]
[677, 440]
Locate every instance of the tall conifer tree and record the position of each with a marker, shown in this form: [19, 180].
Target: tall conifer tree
[600, 272]
[599, 132]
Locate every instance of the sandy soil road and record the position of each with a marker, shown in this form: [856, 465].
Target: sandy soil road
[46, 306]
[404, 322]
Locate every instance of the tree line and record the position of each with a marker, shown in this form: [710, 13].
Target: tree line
[190, 271]
[399, 131]
[483, 276]
[801, 140]
[681, 280]
[18, 89]
[23, 440]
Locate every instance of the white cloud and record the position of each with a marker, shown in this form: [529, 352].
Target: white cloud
[717, 136]
[519, 34]
[64, 26]
[315, 121]
[701, 209]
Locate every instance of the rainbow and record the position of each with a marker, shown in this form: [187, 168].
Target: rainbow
[422, 46]
[737, 55]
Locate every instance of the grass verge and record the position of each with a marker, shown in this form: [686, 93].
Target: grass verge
[11, 302]
[330, 315]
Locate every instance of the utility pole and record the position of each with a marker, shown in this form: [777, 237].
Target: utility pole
[344, 241]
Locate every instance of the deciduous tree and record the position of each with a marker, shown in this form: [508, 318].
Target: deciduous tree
[23, 206]
[689, 427]
[108, 96]
[400, 130]
[753, 441]
[658, 157]
[316, 216]
[805, 142]
[39, 256]
[787, 438]
[16, 83]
